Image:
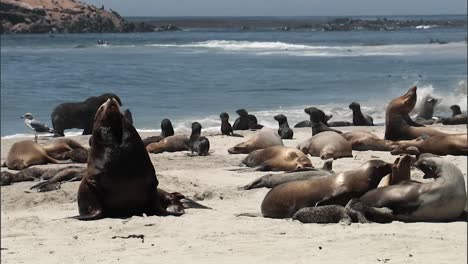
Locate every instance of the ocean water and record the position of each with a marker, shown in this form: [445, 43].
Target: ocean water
[194, 75]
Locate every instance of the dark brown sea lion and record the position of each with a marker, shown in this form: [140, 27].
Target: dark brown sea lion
[79, 114]
[458, 118]
[448, 144]
[198, 144]
[363, 141]
[284, 200]
[317, 123]
[169, 144]
[166, 131]
[242, 122]
[359, 119]
[27, 153]
[272, 180]
[455, 110]
[306, 123]
[263, 139]
[327, 145]
[444, 199]
[253, 123]
[284, 130]
[277, 158]
[398, 124]
[120, 180]
[226, 128]
[36, 173]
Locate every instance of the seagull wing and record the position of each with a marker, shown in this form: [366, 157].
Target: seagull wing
[40, 127]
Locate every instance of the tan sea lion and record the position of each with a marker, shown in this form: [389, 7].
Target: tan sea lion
[401, 171]
[363, 141]
[327, 145]
[448, 144]
[169, 144]
[27, 153]
[277, 158]
[444, 199]
[120, 180]
[264, 138]
[66, 148]
[398, 124]
[284, 200]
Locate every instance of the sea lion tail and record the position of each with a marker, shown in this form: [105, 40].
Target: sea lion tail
[189, 203]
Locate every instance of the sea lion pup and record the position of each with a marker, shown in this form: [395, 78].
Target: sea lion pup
[398, 124]
[264, 138]
[323, 118]
[443, 199]
[27, 153]
[226, 128]
[272, 180]
[327, 145]
[253, 123]
[198, 144]
[359, 119]
[284, 200]
[401, 171]
[363, 140]
[277, 158]
[78, 114]
[317, 118]
[128, 115]
[169, 144]
[34, 173]
[457, 117]
[284, 131]
[448, 144]
[120, 180]
[427, 111]
[166, 131]
[242, 122]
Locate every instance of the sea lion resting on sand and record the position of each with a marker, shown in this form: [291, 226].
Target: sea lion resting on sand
[448, 144]
[327, 145]
[457, 117]
[363, 140]
[27, 153]
[264, 138]
[120, 180]
[284, 200]
[79, 114]
[444, 199]
[166, 131]
[52, 176]
[169, 144]
[398, 124]
[277, 158]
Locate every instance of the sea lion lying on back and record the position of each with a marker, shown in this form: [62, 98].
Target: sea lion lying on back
[448, 144]
[263, 139]
[327, 145]
[277, 158]
[398, 124]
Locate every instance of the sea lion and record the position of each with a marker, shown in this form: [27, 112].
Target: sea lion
[169, 144]
[284, 131]
[36, 173]
[66, 148]
[253, 123]
[284, 200]
[78, 114]
[427, 111]
[277, 158]
[363, 140]
[242, 122]
[317, 118]
[327, 145]
[120, 180]
[323, 118]
[458, 118]
[198, 144]
[359, 119]
[443, 199]
[264, 138]
[398, 124]
[448, 144]
[401, 171]
[27, 153]
[272, 180]
[166, 131]
[226, 128]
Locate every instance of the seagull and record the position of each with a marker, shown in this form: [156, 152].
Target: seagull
[35, 125]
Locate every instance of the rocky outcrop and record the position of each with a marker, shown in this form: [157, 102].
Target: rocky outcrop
[65, 16]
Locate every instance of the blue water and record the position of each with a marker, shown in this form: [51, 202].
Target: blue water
[194, 75]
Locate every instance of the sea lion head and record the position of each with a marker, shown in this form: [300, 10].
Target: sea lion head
[196, 128]
[455, 110]
[110, 95]
[303, 162]
[316, 115]
[224, 116]
[377, 169]
[280, 118]
[166, 128]
[405, 103]
[354, 106]
[109, 124]
[401, 169]
[429, 164]
[242, 112]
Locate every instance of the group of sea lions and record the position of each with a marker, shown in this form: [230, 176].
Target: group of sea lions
[120, 180]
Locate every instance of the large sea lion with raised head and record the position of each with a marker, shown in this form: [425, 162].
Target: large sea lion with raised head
[284, 130]
[327, 145]
[120, 180]
[277, 158]
[359, 119]
[284, 200]
[398, 124]
[264, 138]
[78, 114]
[444, 199]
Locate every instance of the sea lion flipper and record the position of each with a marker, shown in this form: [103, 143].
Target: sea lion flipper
[189, 203]
[254, 184]
[94, 216]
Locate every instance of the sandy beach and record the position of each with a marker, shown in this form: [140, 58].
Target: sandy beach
[34, 228]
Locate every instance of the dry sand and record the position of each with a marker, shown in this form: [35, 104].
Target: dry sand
[34, 228]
